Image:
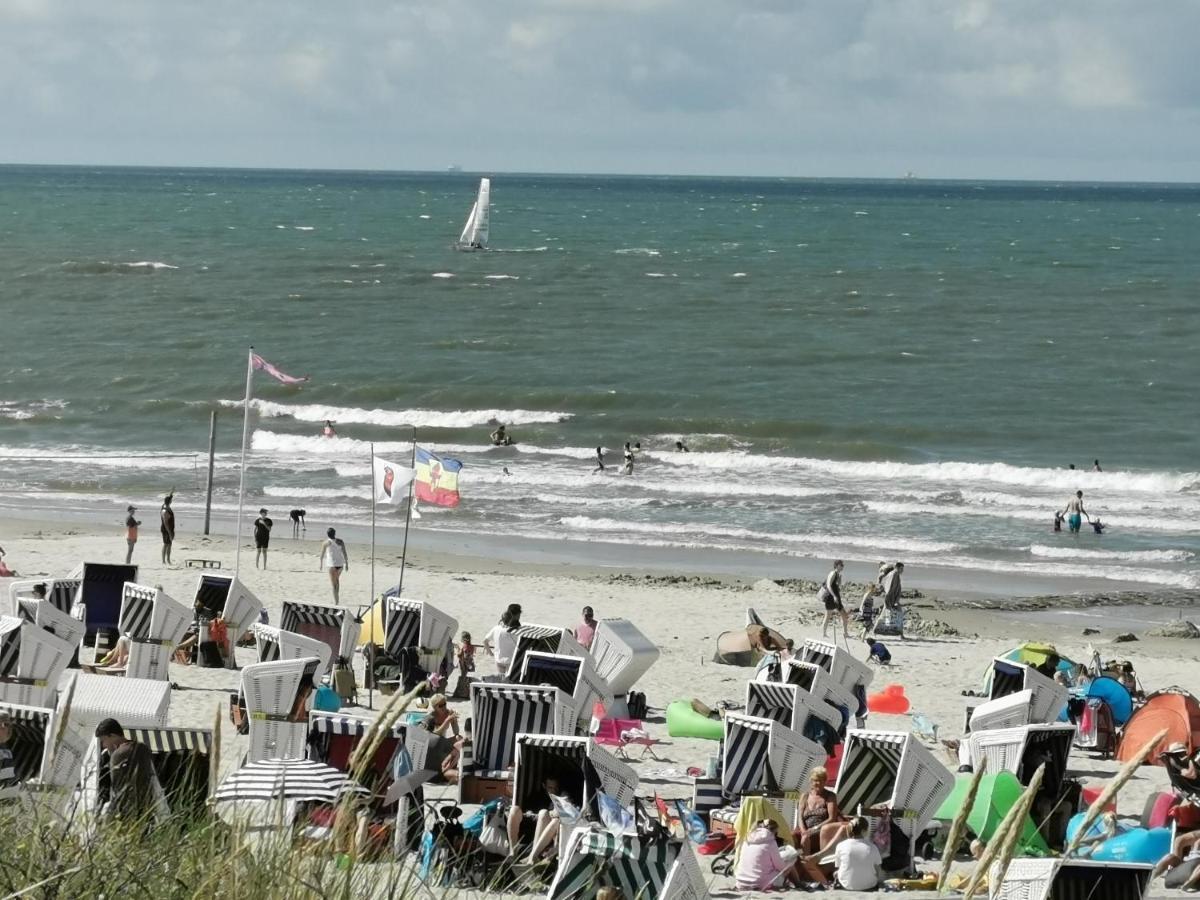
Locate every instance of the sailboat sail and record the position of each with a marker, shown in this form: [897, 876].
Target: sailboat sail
[475, 232]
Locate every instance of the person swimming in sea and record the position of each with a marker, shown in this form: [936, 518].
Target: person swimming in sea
[328, 431]
[681, 447]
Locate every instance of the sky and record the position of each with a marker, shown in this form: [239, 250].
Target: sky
[1077, 89]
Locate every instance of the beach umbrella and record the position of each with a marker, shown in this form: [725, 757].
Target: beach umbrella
[286, 779]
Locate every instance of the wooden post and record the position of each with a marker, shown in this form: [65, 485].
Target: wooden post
[212, 452]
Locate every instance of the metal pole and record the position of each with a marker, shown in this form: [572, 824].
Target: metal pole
[408, 514]
[371, 599]
[237, 557]
[212, 452]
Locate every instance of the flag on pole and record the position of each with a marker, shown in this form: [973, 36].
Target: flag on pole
[260, 364]
[391, 481]
[437, 479]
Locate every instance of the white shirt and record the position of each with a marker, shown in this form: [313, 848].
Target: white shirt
[504, 645]
[854, 864]
[335, 556]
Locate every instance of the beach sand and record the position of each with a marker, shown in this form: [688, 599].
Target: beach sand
[682, 615]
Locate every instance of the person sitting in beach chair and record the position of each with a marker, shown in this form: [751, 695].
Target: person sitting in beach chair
[546, 819]
[115, 662]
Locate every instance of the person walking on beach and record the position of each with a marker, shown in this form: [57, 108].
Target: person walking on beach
[1075, 512]
[166, 517]
[131, 533]
[501, 642]
[891, 599]
[334, 558]
[830, 594]
[599, 460]
[262, 537]
[585, 631]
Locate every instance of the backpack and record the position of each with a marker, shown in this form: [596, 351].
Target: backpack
[326, 699]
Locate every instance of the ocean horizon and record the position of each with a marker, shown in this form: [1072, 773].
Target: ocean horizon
[872, 369]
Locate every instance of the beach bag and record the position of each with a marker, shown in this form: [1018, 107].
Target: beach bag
[1096, 730]
[494, 835]
[343, 682]
[890, 621]
[327, 699]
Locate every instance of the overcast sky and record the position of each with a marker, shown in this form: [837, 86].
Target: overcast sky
[944, 88]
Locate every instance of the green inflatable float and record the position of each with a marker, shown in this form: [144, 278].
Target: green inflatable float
[997, 794]
[683, 721]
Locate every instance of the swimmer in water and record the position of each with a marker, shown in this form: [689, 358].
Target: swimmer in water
[328, 431]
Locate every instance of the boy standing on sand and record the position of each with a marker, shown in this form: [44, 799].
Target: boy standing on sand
[131, 532]
[1075, 512]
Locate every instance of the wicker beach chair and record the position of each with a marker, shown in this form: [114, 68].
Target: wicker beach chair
[660, 870]
[622, 655]
[1049, 697]
[893, 769]
[60, 592]
[581, 765]
[542, 639]
[154, 623]
[575, 676]
[48, 617]
[274, 643]
[274, 694]
[334, 626]
[846, 670]
[1068, 879]
[821, 684]
[795, 708]
[1022, 749]
[499, 712]
[1009, 711]
[225, 597]
[31, 662]
[134, 702]
[37, 758]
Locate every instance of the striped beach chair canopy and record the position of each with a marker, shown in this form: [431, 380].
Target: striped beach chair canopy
[845, 669]
[274, 643]
[225, 597]
[893, 769]
[60, 592]
[333, 625]
[35, 760]
[149, 613]
[275, 695]
[1070, 879]
[31, 662]
[286, 779]
[622, 654]
[419, 624]
[542, 639]
[574, 675]
[1022, 749]
[579, 763]
[594, 859]
[344, 725]
[794, 708]
[761, 754]
[1049, 697]
[48, 617]
[499, 712]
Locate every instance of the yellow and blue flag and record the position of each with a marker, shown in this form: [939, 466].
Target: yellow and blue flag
[437, 479]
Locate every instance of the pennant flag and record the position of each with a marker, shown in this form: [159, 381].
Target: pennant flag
[693, 825]
[261, 365]
[391, 481]
[437, 479]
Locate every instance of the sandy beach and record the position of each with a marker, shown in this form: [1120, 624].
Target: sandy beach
[682, 613]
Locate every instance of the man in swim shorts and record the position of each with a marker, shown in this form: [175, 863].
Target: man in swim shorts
[830, 594]
[1075, 512]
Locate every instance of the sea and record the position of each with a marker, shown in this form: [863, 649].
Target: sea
[875, 370]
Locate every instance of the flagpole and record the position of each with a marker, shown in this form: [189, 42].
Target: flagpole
[237, 556]
[373, 489]
[408, 513]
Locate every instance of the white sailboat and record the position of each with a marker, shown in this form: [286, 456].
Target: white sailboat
[475, 233]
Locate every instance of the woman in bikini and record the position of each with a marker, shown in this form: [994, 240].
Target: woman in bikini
[821, 818]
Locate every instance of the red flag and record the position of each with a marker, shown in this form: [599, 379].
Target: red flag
[258, 363]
